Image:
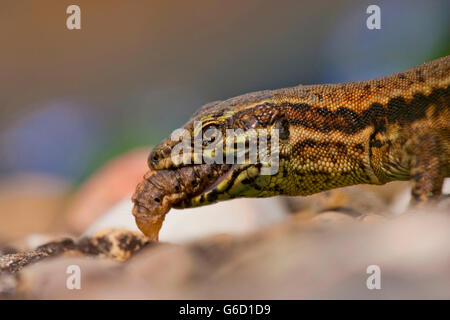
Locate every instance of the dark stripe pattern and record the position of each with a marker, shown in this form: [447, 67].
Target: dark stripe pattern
[397, 110]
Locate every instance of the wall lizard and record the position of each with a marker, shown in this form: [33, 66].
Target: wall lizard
[332, 135]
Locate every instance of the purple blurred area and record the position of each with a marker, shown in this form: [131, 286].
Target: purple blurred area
[56, 139]
[137, 69]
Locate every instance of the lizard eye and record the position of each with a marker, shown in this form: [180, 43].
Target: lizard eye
[251, 123]
[210, 133]
[283, 126]
[247, 122]
[209, 126]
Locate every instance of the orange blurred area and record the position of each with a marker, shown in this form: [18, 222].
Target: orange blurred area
[33, 203]
[112, 183]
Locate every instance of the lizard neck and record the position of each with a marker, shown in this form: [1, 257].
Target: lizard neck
[362, 132]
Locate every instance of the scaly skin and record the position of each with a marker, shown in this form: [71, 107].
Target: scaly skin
[335, 135]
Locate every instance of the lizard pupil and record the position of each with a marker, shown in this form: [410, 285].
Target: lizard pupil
[210, 133]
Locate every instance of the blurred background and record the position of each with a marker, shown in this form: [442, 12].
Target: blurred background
[72, 100]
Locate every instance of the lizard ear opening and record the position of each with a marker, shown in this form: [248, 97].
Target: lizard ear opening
[282, 125]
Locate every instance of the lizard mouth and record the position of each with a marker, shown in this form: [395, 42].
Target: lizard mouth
[162, 189]
[213, 192]
[184, 187]
[170, 184]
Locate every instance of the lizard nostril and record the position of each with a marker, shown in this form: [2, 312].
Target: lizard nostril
[153, 158]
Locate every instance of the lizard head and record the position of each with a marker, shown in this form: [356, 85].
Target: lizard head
[244, 137]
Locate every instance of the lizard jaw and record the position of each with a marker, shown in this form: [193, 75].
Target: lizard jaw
[232, 184]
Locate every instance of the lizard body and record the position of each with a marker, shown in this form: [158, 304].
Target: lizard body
[330, 136]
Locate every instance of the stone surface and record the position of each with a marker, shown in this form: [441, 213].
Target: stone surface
[297, 259]
[235, 217]
[354, 200]
[321, 251]
[113, 243]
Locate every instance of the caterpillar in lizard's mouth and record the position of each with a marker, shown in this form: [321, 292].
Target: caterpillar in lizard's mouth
[161, 190]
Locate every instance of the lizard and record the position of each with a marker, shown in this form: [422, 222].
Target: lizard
[329, 136]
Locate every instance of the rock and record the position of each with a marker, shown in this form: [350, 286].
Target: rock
[9, 284]
[14, 262]
[354, 201]
[113, 243]
[48, 279]
[118, 244]
[239, 216]
[401, 198]
[246, 249]
[332, 218]
[291, 260]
